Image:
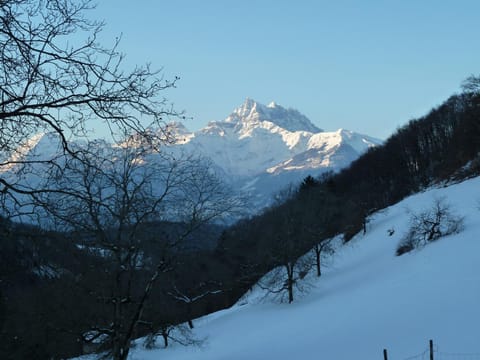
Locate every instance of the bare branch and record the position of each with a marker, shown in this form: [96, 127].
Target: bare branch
[51, 83]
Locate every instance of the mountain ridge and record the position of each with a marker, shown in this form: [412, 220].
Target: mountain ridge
[259, 148]
[250, 129]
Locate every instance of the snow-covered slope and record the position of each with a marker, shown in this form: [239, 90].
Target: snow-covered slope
[367, 300]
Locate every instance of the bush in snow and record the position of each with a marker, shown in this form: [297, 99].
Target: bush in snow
[430, 225]
[180, 334]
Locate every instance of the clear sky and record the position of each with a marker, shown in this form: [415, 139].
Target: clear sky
[368, 66]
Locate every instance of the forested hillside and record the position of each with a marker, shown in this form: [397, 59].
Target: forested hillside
[441, 146]
[366, 300]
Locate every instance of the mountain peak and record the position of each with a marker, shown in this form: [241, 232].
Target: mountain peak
[43, 146]
[246, 109]
[251, 112]
[179, 132]
[272, 105]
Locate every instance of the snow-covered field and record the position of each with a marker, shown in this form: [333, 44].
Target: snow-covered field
[367, 299]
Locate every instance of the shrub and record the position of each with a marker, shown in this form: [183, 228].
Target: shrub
[430, 225]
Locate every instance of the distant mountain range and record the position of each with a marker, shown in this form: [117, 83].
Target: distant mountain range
[258, 149]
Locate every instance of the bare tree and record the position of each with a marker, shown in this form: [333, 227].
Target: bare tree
[430, 225]
[180, 334]
[320, 250]
[116, 200]
[191, 295]
[287, 247]
[471, 84]
[320, 212]
[55, 77]
[286, 279]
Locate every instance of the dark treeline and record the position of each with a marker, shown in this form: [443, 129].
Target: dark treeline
[54, 293]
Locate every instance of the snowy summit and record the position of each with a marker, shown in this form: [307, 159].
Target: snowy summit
[252, 112]
[263, 148]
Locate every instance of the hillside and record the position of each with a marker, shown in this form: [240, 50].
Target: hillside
[368, 299]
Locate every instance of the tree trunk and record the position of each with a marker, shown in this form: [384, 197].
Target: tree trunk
[125, 353]
[118, 346]
[317, 255]
[433, 231]
[165, 339]
[190, 323]
[128, 336]
[319, 270]
[290, 282]
[290, 291]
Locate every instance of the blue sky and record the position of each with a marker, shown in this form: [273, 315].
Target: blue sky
[367, 66]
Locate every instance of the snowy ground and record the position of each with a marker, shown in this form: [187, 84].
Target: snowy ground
[367, 300]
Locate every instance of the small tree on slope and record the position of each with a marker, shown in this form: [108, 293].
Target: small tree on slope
[430, 225]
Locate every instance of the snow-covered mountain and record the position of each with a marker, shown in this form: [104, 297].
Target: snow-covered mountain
[253, 113]
[261, 149]
[39, 147]
[258, 149]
